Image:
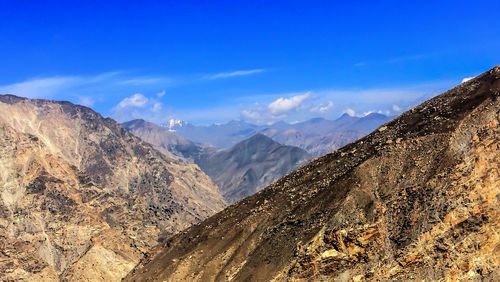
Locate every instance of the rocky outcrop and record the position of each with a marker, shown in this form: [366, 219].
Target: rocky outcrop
[83, 199]
[417, 199]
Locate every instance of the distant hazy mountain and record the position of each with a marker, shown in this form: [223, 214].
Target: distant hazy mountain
[239, 171]
[166, 140]
[251, 165]
[320, 136]
[220, 136]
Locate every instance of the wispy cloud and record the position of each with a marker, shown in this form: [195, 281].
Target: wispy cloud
[322, 107]
[145, 81]
[86, 90]
[394, 60]
[233, 73]
[86, 101]
[160, 94]
[41, 87]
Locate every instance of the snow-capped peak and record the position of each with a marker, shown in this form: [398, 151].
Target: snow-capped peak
[172, 124]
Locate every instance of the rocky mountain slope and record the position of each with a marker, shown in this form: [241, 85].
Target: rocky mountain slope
[83, 199]
[416, 199]
[251, 165]
[239, 171]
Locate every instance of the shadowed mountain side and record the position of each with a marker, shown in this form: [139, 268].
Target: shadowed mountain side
[251, 165]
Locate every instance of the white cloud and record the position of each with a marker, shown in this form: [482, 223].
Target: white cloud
[350, 112]
[233, 73]
[396, 108]
[86, 101]
[140, 106]
[386, 112]
[276, 110]
[322, 107]
[157, 107]
[137, 100]
[467, 79]
[160, 94]
[283, 105]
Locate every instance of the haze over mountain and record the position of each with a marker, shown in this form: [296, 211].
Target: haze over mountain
[417, 199]
[83, 199]
[218, 135]
[239, 171]
[318, 136]
[166, 140]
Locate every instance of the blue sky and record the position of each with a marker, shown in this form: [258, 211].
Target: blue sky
[260, 61]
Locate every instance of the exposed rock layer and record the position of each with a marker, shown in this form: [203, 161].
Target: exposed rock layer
[83, 199]
[416, 199]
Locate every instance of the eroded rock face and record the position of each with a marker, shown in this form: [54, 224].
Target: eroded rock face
[81, 198]
[416, 199]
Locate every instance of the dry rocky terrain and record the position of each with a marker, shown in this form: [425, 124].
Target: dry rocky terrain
[81, 199]
[417, 199]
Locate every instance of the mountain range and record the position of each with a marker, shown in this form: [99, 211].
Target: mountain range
[83, 198]
[318, 136]
[417, 199]
[238, 171]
